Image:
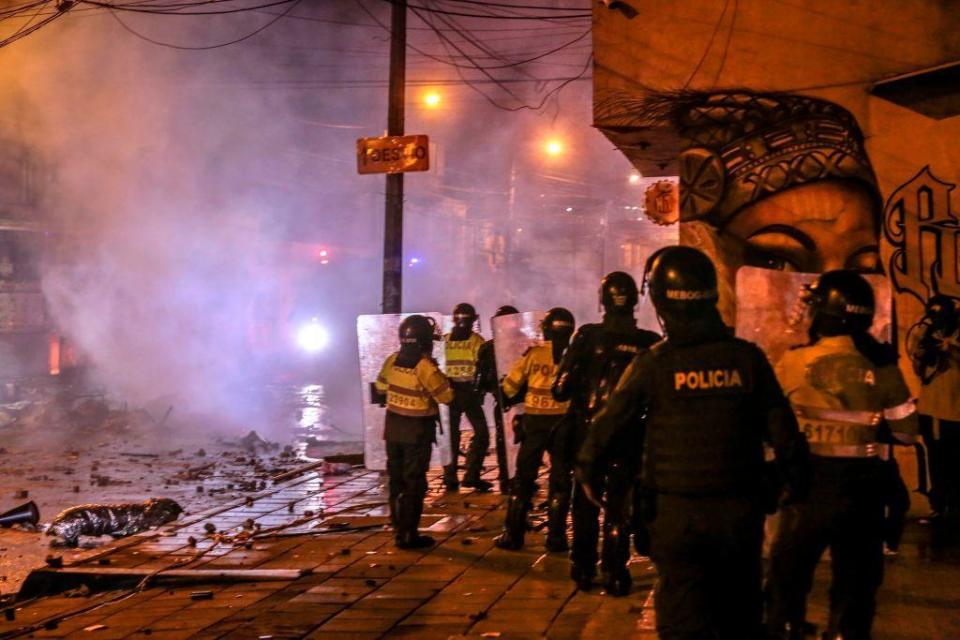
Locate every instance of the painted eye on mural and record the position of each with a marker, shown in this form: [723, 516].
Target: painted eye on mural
[865, 260]
[757, 257]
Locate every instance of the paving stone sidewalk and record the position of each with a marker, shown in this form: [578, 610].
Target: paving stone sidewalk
[356, 584]
[336, 574]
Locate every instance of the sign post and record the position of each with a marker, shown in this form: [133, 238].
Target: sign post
[393, 218]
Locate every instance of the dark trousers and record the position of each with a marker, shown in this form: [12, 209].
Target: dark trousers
[469, 402]
[944, 451]
[707, 553]
[543, 434]
[845, 513]
[407, 465]
[897, 504]
[614, 484]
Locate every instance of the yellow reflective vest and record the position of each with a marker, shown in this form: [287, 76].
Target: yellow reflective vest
[537, 369]
[841, 398]
[461, 356]
[413, 392]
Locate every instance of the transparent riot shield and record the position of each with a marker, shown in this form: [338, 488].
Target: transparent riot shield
[512, 335]
[377, 338]
[771, 312]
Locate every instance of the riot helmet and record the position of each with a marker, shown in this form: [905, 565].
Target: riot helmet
[418, 330]
[464, 316]
[557, 325]
[618, 293]
[841, 302]
[681, 279]
[506, 310]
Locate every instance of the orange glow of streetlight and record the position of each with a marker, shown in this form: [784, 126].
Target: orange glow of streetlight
[553, 147]
[431, 99]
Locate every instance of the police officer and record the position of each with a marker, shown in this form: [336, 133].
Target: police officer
[588, 373]
[543, 428]
[850, 399]
[705, 403]
[489, 382]
[462, 351]
[412, 385]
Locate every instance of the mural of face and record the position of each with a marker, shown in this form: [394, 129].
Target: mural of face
[810, 228]
[772, 180]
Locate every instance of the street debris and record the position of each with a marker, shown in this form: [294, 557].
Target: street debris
[253, 443]
[25, 514]
[117, 520]
[73, 445]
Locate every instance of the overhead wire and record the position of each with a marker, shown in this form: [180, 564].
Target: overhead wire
[129, 29]
[726, 46]
[486, 3]
[706, 52]
[121, 7]
[445, 41]
[524, 106]
[577, 16]
[26, 30]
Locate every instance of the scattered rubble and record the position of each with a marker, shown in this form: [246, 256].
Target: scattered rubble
[72, 446]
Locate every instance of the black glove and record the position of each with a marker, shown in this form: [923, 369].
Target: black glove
[518, 434]
[376, 397]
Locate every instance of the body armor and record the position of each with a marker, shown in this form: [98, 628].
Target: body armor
[536, 370]
[462, 356]
[597, 357]
[847, 406]
[413, 391]
[589, 372]
[851, 400]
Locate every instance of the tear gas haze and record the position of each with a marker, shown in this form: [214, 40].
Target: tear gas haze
[203, 207]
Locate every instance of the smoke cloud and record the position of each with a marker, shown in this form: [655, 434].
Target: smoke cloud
[204, 204]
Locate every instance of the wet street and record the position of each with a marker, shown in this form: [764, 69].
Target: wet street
[61, 447]
[311, 557]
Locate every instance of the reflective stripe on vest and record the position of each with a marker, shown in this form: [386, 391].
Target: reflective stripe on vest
[541, 373]
[461, 358]
[541, 401]
[901, 411]
[838, 427]
[406, 396]
[872, 450]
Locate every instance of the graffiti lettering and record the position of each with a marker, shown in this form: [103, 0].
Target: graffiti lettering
[924, 232]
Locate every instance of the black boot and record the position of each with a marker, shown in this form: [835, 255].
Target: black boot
[514, 525]
[582, 576]
[409, 519]
[450, 481]
[481, 485]
[394, 515]
[618, 582]
[557, 511]
[615, 555]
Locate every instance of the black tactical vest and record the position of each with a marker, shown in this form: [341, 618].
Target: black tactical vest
[705, 421]
[606, 356]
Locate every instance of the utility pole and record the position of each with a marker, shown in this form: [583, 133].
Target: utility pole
[393, 221]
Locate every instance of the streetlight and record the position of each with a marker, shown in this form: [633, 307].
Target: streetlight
[634, 178]
[431, 99]
[553, 147]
